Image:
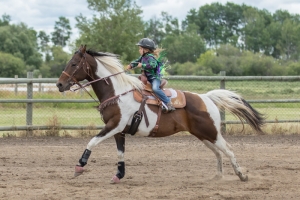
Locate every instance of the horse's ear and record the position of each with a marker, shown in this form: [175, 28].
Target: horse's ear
[79, 49]
[83, 49]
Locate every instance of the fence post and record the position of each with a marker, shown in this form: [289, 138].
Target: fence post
[16, 86]
[222, 112]
[40, 84]
[29, 105]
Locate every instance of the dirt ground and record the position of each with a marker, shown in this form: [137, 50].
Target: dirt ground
[175, 167]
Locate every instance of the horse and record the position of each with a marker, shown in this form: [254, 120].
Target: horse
[113, 88]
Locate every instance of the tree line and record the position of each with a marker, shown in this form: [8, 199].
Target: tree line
[239, 39]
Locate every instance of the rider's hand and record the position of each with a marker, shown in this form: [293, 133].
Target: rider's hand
[128, 67]
[139, 65]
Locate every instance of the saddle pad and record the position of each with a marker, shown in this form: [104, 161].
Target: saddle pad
[177, 97]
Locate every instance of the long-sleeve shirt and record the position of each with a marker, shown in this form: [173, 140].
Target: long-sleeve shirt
[149, 65]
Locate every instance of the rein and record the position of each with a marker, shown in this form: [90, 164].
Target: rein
[99, 79]
[89, 83]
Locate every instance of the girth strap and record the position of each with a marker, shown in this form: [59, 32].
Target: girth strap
[137, 118]
[155, 129]
[142, 109]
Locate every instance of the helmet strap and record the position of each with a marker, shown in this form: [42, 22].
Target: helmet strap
[144, 51]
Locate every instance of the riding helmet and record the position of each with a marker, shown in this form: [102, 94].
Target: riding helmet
[147, 43]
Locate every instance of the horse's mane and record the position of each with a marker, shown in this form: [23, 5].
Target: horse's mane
[113, 64]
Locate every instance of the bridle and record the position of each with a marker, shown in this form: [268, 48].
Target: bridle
[71, 77]
[84, 62]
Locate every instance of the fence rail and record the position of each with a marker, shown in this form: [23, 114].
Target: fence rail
[222, 79]
[195, 78]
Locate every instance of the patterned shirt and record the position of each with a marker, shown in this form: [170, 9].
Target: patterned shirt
[149, 65]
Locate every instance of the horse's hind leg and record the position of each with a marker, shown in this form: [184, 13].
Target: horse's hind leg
[218, 154]
[120, 141]
[222, 145]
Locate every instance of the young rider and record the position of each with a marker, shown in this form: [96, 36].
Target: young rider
[149, 65]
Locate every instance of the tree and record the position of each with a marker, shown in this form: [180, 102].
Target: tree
[255, 37]
[11, 66]
[209, 21]
[5, 20]
[272, 35]
[284, 34]
[154, 29]
[293, 68]
[281, 15]
[21, 42]
[43, 43]
[189, 68]
[171, 24]
[240, 63]
[184, 47]
[62, 32]
[289, 43]
[56, 64]
[217, 23]
[44, 40]
[232, 17]
[117, 27]
[191, 18]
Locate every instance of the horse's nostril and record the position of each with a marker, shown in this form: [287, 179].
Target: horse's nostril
[58, 85]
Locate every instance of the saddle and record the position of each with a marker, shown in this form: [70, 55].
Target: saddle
[147, 96]
[177, 97]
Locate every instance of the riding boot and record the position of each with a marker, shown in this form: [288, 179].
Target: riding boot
[164, 109]
[170, 107]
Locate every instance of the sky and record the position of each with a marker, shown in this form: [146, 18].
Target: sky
[42, 14]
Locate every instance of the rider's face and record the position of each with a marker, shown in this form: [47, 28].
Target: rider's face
[141, 50]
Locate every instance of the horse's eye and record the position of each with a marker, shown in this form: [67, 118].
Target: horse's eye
[73, 64]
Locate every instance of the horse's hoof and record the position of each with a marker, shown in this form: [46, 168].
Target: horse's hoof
[115, 180]
[78, 170]
[244, 179]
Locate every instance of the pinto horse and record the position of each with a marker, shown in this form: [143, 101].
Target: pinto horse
[114, 88]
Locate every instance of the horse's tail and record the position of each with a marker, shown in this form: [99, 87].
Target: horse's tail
[235, 104]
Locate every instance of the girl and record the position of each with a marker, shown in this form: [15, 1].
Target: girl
[149, 65]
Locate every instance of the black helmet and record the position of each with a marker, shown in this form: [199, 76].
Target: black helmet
[147, 43]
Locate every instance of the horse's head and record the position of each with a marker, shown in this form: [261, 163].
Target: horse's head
[77, 69]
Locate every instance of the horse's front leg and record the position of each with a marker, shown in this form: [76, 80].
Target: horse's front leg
[120, 141]
[103, 134]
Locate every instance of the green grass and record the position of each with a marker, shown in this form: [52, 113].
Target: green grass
[248, 89]
[87, 116]
[49, 95]
[45, 115]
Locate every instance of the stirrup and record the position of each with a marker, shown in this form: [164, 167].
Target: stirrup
[171, 110]
[170, 107]
[164, 109]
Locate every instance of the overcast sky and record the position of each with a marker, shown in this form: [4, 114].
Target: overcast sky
[42, 14]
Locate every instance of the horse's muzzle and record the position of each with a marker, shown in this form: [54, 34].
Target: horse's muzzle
[63, 87]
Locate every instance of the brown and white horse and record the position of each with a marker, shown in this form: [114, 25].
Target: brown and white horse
[113, 88]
